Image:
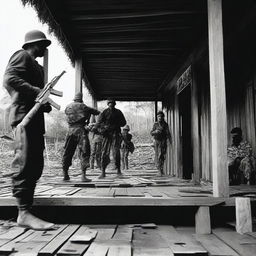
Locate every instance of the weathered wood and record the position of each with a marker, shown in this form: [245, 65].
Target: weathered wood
[74, 249]
[122, 250]
[218, 100]
[78, 75]
[195, 127]
[215, 246]
[9, 234]
[243, 244]
[46, 65]
[97, 249]
[243, 215]
[123, 233]
[58, 241]
[118, 201]
[203, 220]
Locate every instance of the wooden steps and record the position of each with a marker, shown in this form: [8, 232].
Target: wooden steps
[125, 240]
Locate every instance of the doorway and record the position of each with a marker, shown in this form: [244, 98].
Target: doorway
[185, 132]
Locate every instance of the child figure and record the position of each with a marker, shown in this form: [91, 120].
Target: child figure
[126, 146]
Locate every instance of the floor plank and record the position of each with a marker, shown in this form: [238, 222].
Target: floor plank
[243, 244]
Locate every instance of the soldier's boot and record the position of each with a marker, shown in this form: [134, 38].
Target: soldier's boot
[84, 179]
[103, 173]
[65, 175]
[92, 164]
[119, 173]
[126, 164]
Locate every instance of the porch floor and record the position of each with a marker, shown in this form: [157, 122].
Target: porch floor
[124, 240]
[133, 188]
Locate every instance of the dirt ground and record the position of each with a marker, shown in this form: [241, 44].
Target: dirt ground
[141, 159]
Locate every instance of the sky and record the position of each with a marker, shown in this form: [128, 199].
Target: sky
[15, 21]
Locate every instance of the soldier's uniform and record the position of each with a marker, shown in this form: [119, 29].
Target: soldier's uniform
[77, 115]
[125, 147]
[96, 147]
[161, 133]
[23, 79]
[109, 123]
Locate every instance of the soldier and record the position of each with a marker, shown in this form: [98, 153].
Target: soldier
[109, 123]
[77, 115]
[96, 147]
[126, 146]
[24, 79]
[161, 133]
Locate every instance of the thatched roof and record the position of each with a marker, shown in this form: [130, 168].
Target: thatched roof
[128, 47]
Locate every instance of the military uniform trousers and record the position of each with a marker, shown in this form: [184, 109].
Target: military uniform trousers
[76, 137]
[111, 141]
[96, 153]
[160, 153]
[27, 166]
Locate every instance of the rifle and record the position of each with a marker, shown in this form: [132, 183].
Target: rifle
[20, 144]
[42, 98]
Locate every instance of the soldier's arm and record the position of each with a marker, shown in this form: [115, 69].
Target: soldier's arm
[122, 121]
[16, 69]
[153, 130]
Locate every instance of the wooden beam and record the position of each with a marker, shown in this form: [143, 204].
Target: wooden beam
[203, 220]
[131, 16]
[78, 75]
[195, 128]
[156, 110]
[243, 215]
[218, 100]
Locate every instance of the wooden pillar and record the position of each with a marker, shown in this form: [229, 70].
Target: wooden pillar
[218, 100]
[195, 127]
[156, 110]
[78, 75]
[243, 215]
[46, 65]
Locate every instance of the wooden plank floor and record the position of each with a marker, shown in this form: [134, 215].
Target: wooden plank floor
[124, 240]
[137, 187]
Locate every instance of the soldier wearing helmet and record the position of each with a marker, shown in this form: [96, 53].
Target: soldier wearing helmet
[161, 134]
[24, 79]
[108, 124]
[78, 115]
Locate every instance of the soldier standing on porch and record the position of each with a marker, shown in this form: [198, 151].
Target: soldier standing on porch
[78, 114]
[108, 124]
[161, 133]
[24, 79]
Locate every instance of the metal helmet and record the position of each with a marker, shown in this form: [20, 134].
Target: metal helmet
[34, 36]
[110, 100]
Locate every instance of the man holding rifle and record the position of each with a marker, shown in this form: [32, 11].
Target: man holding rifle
[24, 80]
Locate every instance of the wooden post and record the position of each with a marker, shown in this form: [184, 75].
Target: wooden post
[78, 75]
[95, 105]
[46, 65]
[156, 109]
[218, 100]
[243, 215]
[46, 68]
[203, 220]
[195, 128]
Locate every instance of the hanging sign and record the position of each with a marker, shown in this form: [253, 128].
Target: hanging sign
[184, 80]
